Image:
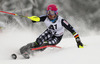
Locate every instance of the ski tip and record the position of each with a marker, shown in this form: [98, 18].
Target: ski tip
[14, 56]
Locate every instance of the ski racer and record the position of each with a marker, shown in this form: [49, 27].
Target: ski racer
[54, 32]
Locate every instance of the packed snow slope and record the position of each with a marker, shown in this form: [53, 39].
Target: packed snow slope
[10, 42]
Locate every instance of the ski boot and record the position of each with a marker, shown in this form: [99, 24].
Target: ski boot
[26, 50]
[26, 55]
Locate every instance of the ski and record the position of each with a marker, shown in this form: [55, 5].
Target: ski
[45, 47]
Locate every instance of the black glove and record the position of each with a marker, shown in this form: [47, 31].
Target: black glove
[79, 43]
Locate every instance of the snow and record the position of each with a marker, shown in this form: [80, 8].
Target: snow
[68, 54]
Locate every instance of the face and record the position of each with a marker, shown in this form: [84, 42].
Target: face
[51, 15]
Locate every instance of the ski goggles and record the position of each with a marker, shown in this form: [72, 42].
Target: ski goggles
[50, 12]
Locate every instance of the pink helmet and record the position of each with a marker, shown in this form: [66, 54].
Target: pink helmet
[52, 7]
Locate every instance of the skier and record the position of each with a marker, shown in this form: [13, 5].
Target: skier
[53, 34]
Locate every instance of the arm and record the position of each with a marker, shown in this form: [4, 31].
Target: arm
[71, 29]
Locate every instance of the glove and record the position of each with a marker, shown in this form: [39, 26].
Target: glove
[34, 18]
[79, 43]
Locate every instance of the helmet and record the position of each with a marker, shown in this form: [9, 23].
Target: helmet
[52, 7]
[52, 11]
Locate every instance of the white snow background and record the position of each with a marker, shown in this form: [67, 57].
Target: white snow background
[12, 40]
[68, 54]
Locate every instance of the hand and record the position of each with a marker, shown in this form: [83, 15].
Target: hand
[34, 18]
[79, 43]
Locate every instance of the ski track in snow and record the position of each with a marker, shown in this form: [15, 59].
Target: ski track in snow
[10, 42]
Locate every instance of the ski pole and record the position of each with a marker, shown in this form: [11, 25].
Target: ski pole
[13, 14]
[34, 18]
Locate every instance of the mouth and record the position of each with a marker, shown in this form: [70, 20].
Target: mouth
[51, 17]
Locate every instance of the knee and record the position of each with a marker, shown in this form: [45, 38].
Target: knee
[52, 42]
